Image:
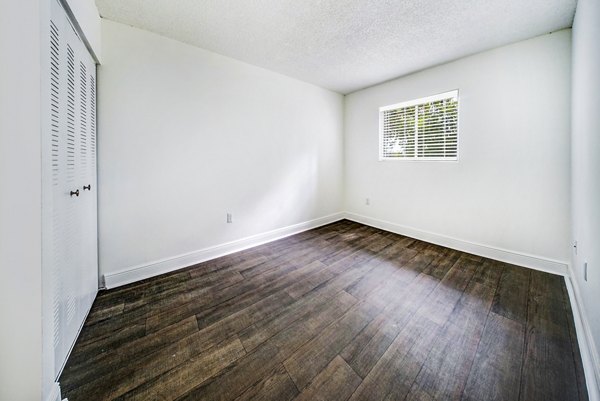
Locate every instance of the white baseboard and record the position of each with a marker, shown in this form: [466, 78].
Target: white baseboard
[516, 258]
[587, 347]
[143, 271]
[54, 393]
[140, 272]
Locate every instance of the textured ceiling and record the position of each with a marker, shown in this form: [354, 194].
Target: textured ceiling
[344, 45]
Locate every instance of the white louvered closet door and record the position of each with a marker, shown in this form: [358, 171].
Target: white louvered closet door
[69, 184]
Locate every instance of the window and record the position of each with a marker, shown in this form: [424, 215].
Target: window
[421, 129]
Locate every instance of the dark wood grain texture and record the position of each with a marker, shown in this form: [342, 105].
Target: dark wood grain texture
[500, 352]
[341, 312]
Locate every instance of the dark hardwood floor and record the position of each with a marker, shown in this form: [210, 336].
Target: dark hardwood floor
[342, 312]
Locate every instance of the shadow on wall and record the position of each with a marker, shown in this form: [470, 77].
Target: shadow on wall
[297, 185]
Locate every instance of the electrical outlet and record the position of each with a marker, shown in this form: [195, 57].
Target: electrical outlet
[229, 218]
[367, 201]
[585, 271]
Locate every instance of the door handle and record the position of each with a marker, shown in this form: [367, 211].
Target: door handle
[88, 187]
[76, 193]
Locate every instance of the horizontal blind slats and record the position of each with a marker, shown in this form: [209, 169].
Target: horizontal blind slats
[421, 130]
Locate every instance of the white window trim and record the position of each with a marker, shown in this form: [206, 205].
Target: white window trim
[414, 102]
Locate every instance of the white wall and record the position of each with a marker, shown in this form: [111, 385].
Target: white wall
[586, 165]
[186, 135]
[20, 201]
[510, 188]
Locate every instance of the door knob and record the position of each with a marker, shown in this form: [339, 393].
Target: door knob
[88, 187]
[76, 193]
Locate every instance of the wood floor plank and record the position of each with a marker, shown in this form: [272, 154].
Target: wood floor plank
[262, 360]
[249, 290]
[442, 263]
[496, 371]
[182, 293]
[410, 298]
[77, 371]
[548, 367]
[189, 374]
[399, 303]
[315, 355]
[277, 386]
[513, 293]
[219, 311]
[344, 311]
[399, 365]
[141, 287]
[263, 330]
[226, 263]
[363, 352]
[336, 382]
[172, 309]
[123, 333]
[242, 319]
[101, 313]
[489, 273]
[130, 376]
[373, 242]
[388, 263]
[445, 372]
[415, 266]
[444, 298]
[346, 278]
[394, 373]
[418, 396]
[333, 270]
[302, 254]
[365, 349]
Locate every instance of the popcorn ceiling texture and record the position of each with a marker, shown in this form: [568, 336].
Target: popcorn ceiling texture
[344, 45]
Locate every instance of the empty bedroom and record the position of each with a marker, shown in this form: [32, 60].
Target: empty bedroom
[300, 200]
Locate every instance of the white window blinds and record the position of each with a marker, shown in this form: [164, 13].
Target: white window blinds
[420, 129]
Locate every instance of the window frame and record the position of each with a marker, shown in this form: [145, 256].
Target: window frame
[415, 102]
